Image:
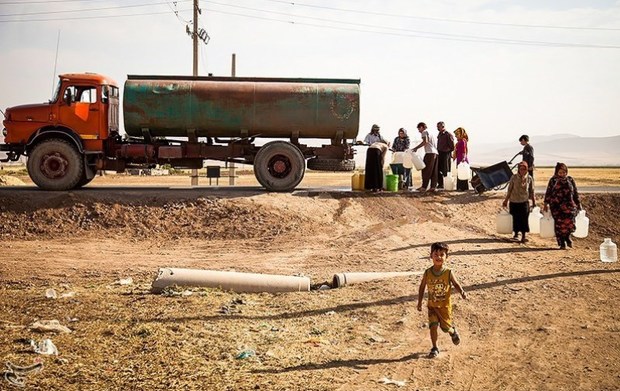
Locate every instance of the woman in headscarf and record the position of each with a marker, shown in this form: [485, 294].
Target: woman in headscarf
[520, 189]
[563, 200]
[401, 144]
[375, 157]
[460, 155]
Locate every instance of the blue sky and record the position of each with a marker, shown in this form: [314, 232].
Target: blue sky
[497, 68]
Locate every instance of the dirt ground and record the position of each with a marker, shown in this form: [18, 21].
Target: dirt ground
[537, 318]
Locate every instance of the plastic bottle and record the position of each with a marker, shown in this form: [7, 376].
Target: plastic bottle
[609, 251]
[581, 225]
[534, 220]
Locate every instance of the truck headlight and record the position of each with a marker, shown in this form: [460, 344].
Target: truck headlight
[4, 132]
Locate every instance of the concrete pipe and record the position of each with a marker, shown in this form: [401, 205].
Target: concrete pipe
[343, 279]
[234, 281]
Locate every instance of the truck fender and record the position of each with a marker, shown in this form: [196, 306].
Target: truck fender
[62, 133]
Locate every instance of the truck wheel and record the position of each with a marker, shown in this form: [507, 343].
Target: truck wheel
[331, 164]
[279, 166]
[55, 164]
[83, 181]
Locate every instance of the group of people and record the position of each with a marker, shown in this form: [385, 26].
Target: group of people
[439, 151]
[561, 198]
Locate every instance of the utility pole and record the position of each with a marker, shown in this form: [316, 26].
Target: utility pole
[231, 169]
[195, 73]
[195, 38]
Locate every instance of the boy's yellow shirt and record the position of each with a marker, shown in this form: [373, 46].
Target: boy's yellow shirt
[439, 288]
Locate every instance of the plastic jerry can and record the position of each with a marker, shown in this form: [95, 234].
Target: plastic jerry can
[547, 229]
[503, 222]
[418, 163]
[609, 251]
[534, 220]
[449, 183]
[581, 225]
[355, 181]
[463, 171]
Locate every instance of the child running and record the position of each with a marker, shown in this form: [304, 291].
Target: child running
[439, 280]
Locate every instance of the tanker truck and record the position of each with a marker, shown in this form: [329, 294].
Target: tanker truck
[182, 121]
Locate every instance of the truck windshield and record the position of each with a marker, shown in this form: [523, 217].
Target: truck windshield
[56, 92]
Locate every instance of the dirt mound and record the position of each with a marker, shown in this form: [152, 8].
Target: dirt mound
[7, 180]
[206, 218]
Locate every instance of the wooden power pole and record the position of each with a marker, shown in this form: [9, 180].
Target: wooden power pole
[195, 72]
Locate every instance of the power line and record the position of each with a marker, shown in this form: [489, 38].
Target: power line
[42, 2]
[445, 19]
[417, 33]
[397, 31]
[87, 9]
[88, 17]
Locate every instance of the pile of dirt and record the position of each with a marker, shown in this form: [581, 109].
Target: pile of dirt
[206, 218]
[8, 180]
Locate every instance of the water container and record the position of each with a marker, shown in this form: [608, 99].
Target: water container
[609, 251]
[357, 181]
[503, 222]
[398, 157]
[449, 183]
[418, 163]
[391, 182]
[385, 174]
[547, 229]
[463, 171]
[581, 225]
[407, 160]
[534, 220]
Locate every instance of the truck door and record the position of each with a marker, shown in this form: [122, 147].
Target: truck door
[80, 111]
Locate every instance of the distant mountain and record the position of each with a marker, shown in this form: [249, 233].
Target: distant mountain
[548, 150]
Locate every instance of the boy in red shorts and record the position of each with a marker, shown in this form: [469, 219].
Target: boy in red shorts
[439, 280]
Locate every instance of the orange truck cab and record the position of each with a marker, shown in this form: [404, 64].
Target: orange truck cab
[65, 137]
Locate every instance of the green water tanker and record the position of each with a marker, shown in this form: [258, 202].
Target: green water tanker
[182, 121]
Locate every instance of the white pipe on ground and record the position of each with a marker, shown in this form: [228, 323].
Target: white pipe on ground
[234, 281]
[343, 279]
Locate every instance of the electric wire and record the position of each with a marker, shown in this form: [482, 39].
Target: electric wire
[89, 17]
[89, 9]
[444, 19]
[395, 31]
[426, 34]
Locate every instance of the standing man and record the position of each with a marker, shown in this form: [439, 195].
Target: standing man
[528, 154]
[429, 173]
[445, 146]
[374, 136]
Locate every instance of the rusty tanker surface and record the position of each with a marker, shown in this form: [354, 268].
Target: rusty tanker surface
[242, 107]
[182, 121]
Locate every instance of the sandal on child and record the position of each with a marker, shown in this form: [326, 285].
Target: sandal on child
[456, 339]
[434, 353]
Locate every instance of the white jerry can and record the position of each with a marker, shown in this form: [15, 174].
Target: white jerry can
[503, 222]
[582, 223]
[534, 220]
[547, 229]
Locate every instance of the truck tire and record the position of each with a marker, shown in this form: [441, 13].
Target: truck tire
[83, 181]
[279, 166]
[331, 164]
[55, 164]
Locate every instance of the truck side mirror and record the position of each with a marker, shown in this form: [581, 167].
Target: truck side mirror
[67, 97]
